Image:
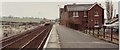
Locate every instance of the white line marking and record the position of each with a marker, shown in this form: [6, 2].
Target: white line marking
[48, 38]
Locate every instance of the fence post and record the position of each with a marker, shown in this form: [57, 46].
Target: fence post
[89, 30]
[98, 32]
[86, 30]
[93, 30]
[103, 31]
[111, 33]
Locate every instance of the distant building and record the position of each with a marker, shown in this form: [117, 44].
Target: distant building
[80, 16]
[113, 20]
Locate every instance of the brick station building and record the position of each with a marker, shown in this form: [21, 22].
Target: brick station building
[80, 16]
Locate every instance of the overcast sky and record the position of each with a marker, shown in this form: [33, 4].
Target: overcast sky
[39, 9]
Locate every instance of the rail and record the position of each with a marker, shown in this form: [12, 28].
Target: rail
[34, 39]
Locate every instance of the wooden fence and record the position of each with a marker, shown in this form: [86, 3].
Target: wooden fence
[109, 34]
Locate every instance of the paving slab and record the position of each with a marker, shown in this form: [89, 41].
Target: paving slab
[53, 41]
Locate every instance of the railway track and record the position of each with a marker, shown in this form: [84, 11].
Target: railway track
[33, 39]
[10, 39]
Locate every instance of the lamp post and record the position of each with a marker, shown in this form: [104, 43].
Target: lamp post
[59, 13]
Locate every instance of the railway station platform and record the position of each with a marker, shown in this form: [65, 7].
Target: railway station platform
[64, 37]
[53, 40]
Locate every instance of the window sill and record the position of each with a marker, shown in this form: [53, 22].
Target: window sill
[96, 15]
[85, 16]
[96, 26]
[75, 16]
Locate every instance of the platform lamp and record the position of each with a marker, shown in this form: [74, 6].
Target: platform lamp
[59, 12]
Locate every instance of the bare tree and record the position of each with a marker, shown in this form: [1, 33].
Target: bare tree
[109, 9]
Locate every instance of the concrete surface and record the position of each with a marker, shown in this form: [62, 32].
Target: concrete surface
[53, 41]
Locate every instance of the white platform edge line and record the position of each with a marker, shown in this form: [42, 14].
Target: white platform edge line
[48, 38]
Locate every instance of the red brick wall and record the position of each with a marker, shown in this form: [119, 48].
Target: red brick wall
[67, 18]
[92, 18]
[77, 20]
[70, 13]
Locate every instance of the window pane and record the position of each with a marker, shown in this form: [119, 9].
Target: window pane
[96, 23]
[73, 13]
[96, 13]
[85, 13]
[76, 13]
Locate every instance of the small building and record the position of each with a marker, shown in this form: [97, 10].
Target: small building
[112, 24]
[80, 16]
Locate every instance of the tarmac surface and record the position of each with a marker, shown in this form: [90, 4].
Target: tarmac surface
[70, 38]
[64, 37]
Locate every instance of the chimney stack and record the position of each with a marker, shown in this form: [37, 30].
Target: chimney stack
[74, 3]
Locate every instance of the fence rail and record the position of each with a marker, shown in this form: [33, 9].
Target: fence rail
[104, 33]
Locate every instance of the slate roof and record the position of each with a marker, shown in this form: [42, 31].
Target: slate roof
[79, 7]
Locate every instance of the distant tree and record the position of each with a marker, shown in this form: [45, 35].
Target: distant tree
[117, 15]
[109, 9]
[42, 22]
[10, 16]
[44, 18]
[57, 20]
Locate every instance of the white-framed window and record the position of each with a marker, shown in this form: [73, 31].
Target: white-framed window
[85, 14]
[96, 13]
[96, 23]
[75, 14]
